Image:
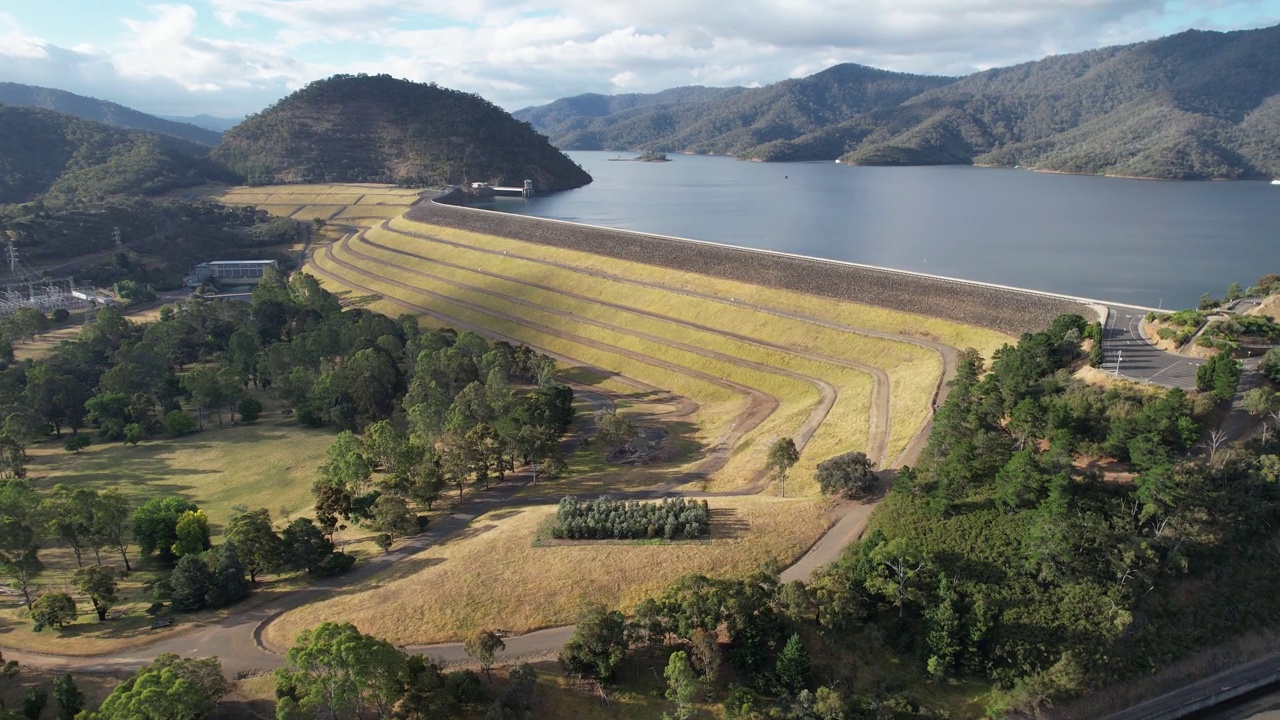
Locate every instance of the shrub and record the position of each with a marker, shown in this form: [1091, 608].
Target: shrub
[335, 564]
[1270, 365]
[133, 433]
[250, 409]
[178, 423]
[76, 442]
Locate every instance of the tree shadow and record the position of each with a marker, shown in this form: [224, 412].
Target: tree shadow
[586, 375]
[727, 524]
[398, 571]
[242, 708]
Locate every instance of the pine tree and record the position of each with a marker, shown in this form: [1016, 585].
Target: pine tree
[191, 580]
[68, 696]
[229, 582]
[792, 672]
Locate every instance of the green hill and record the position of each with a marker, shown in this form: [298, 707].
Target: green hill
[1195, 105]
[64, 158]
[108, 113]
[735, 121]
[379, 129]
[1192, 105]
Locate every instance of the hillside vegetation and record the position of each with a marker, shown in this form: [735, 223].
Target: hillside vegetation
[102, 111]
[1196, 105]
[361, 128]
[62, 158]
[734, 122]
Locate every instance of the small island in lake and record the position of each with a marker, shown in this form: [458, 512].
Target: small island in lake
[649, 156]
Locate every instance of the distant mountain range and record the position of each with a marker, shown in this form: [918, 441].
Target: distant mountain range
[102, 111]
[375, 128]
[1196, 105]
[208, 122]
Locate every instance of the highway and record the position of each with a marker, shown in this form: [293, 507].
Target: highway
[1124, 345]
[1206, 693]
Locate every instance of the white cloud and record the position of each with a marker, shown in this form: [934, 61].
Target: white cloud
[14, 44]
[520, 52]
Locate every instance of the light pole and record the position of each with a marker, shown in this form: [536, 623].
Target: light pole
[1161, 305]
[1119, 357]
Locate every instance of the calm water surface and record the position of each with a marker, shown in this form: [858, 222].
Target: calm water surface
[1134, 241]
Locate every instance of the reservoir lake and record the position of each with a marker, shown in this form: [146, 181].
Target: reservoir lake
[1148, 243]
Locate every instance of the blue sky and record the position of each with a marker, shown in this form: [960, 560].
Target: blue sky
[231, 57]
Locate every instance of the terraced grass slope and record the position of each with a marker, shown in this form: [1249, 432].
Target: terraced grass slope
[721, 368]
[757, 363]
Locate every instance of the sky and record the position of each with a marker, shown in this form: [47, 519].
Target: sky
[229, 58]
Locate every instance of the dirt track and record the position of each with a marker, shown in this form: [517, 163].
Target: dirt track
[878, 432]
[235, 639]
[759, 407]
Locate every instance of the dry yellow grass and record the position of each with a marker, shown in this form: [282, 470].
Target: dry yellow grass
[718, 406]
[870, 317]
[1103, 379]
[1270, 307]
[492, 575]
[42, 345]
[307, 213]
[796, 397]
[362, 211]
[914, 371]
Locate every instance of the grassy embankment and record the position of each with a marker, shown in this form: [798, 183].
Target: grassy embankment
[595, 312]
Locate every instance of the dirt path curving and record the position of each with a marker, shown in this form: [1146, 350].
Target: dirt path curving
[827, 393]
[946, 354]
[235, 639]
[759, 407]
[878, 427]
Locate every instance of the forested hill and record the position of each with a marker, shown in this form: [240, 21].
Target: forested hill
[102, 111]
[571, 116]
[1189, 106]
[1192, 105]
[379, 129]
[61, 158]
[735, 122]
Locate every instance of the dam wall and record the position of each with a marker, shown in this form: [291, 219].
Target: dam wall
[1008, 310]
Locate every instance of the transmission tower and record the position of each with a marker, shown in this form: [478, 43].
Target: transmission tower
[115, 235]
[12, 254]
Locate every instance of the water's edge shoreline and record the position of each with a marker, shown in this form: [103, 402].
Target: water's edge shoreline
[1006, 309]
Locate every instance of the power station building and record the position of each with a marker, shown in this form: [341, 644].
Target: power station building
[234, 272]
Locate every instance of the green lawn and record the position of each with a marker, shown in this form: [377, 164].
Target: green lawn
[270, 464]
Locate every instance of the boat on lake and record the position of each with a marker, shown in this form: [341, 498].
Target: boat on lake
[1275, 182]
